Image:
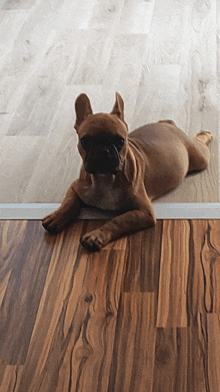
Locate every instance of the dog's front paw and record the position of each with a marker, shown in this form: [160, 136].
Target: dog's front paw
[95, 240]
[54, 223]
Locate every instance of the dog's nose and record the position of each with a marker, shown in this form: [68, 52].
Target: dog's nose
[106, 151]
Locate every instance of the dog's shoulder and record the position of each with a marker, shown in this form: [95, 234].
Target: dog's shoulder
[136, 162]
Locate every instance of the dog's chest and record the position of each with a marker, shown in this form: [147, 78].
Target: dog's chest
[104, 194]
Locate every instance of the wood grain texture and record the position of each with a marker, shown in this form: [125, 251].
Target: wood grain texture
[161, 55]
[140, 315]
[174, 266]
[23, 272]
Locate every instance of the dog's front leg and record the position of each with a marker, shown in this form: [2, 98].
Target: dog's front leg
[65, 214]
[126, 223]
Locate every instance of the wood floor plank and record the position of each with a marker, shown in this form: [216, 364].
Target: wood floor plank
[3, 286]
[203, 283]
[170, 366]
[203, 93]
[56, 155]
[133, 11]
[198, 378]
[106, 14]
[11, 380]
[24, 264]
[26, 53]
[91, 61]
[213, 331]
[133, 356]
[11, 23]
[14, 4]
[172, 310]
[142, 273]
[46, 86]
[184, 357]
[2, 372]
[11, 159]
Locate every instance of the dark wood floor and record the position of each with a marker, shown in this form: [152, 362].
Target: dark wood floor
[141, 315]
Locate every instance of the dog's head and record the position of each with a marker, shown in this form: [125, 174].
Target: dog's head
[102, 137]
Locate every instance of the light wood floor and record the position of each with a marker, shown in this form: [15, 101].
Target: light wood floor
[142, 315]
[161, 55]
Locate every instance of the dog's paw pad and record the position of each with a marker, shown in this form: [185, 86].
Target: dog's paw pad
[94, 241]
[92, 246]
[53, 223]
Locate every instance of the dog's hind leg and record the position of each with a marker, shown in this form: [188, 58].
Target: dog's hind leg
[199, 154]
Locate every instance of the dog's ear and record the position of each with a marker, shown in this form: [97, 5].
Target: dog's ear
[83, 109]
[118, 108]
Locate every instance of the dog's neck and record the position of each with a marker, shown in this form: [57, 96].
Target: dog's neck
[101, 192]
[103, 178]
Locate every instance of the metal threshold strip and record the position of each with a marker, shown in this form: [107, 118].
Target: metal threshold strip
[36, 211]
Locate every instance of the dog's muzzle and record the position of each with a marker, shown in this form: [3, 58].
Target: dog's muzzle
[103, 160]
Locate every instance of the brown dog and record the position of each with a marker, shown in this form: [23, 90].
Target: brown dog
[125, 172]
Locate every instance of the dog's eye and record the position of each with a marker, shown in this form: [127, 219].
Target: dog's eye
[120, 143]
[85, 143]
